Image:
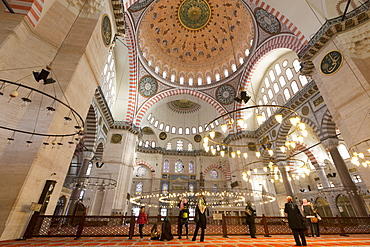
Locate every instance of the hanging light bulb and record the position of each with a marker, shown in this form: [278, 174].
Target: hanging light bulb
[271, 152]
[240, 122]
[259, 119]
[361, 155]
[304, 133]
[300, 139]
[231, 121]
[233, 154]
[206, 148]
[293, 144]
[272, 180]
[283, 149]
[249, 172]
[224, 128]
[255, 170]
[13, 94]
[212, 134]
[205, 139]
[258, 154]
[238, 152]
[279, 118]
[245, 155]
[222, 153]
[294, 120]
[213, 151]
[302, 126]
[265, 168]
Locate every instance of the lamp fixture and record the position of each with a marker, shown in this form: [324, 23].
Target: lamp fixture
[360, 153]
[244, 98]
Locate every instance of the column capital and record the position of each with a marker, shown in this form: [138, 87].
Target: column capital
[330, 143]
[88, 155]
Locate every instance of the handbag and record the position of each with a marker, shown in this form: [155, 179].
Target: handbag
[314, 220]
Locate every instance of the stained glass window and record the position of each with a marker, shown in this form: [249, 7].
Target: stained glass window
[191, 167]
[166, 166]
[179, 145]
[179, 167]
[215, 188]
[141, 171]
[213, 173]
[139, 188]
[165, 188]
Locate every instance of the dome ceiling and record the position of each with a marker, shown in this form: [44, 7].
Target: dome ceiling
[196, 39]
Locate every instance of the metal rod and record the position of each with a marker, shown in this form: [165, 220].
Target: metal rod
[345, 11]
[8, 6]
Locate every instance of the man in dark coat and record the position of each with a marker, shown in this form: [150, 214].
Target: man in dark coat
[166, 230]
[200, 219]
[295, 221]
[250, 213]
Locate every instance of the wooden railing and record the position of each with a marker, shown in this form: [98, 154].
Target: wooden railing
[90, 226]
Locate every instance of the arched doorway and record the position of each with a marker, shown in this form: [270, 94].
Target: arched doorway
[59, 209]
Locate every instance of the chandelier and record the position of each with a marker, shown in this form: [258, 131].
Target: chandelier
[360, 153]
[238, 124]
[214, 199]
[93, 183]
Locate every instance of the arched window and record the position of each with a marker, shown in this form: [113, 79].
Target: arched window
[146, 144]
[209, 80]
[268, 110]
[286, 94]
[173, 78]
[182, 79]
[289, 73]
[272, 75]
[150, 62]
[276, 87]
[167, 129]
[294, 87]
[173, 130]
[140, 143]
[213, 173]
[267, 82]
[179, 130]
[179, 167]
[166, 166]
[285, 63]
[139, 188]
[149, 116]
[200, 82]
[282, 81]
[168, 146]
[215, 188]
[191, 167]
[179, 145]
[156, 123]
[296, 65]
[269, 92]
[263, 90]
[200, 129]
[303, 80]
[226, 73]
[165, 188]
[233, 67]
[217, 76]
[164, 74]
[152, 120]
[153, 144]
[277, 69]
[265, 99]
[193, 130]
[161, 126]
[241, 60]
[187, 131]
[190, 147]
[141, 171]
[156, 69]
[191, 81]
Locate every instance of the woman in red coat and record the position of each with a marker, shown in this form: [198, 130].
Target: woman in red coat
[142, 219]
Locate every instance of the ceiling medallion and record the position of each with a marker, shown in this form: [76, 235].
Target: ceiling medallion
[106, 30]
[148, 86]
[163, 136]
[267, 21]
[183, 106]
[194, 14]
[225, 94]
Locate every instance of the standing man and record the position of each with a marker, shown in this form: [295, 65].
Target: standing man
[200, 218]
[296, 221]
[250, 213]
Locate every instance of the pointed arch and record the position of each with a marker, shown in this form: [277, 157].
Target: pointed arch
[328, 126]
[90, 135]
[308, 152]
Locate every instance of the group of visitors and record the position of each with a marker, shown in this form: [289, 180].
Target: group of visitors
[298, 220]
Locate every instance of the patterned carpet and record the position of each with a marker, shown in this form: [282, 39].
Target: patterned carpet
[210, 241]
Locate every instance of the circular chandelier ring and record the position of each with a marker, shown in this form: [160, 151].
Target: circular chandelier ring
[47, 95]
[272, 160]
[246, 108]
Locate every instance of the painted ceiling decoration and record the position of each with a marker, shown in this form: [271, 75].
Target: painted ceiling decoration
[197, 39]
[225, 94]
[148, 86]
[183, 106]
[194, 14]
[267, 21]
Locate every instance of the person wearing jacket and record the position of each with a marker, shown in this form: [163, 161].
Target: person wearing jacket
[250, 213]
[200, 218]
[295, 221]
[142, 219]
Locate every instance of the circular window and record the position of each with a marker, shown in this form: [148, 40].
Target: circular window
[141, 171]
[213, 173]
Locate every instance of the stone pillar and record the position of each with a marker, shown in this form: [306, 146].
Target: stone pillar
[87, 157]
[345, 177]
[284, 176]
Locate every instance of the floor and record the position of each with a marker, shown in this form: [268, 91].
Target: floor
[210, 241]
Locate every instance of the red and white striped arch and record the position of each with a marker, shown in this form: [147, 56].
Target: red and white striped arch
[30, 8]
[309, 153]
[166, 94]
[143, 163]
[224, 170]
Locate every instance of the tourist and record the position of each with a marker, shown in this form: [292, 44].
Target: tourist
[184, 217]
[250, 213]
[166, 230]
[295, 221]
[142, 219]
[200, 218]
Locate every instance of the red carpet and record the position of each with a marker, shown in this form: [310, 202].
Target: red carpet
[210, 241]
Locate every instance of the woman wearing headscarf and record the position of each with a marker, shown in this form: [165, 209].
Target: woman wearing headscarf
[184, 217]
[200, 218]
[295, 221]
[166, 230]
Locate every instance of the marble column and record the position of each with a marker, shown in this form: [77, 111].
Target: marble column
[357, 203]
[87, 157]
[326, 184]
[284, 175]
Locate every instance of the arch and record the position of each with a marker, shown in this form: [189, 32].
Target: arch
[31, 9]
[327, 126]
[224, 170]
[133, 68]
[91, 129]
[310, 154]
[146, 106]
[288, 41]
[147, 165]
[99, 149]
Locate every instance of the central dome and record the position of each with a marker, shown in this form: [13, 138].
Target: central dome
[194, 14]
[196, 42]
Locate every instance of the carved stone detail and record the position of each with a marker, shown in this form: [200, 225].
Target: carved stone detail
[91, 6]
